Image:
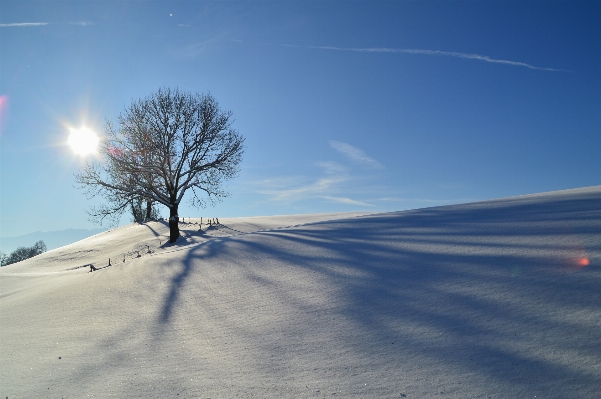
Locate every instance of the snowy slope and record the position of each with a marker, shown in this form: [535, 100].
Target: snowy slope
[498, 299]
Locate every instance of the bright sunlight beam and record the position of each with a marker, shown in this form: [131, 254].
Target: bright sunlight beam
[83, 141]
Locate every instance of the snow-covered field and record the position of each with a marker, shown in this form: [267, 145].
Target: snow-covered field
[497, 299]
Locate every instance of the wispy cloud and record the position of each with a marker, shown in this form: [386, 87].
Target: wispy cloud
[303, 191]
[23, 24]
[431, 52]
[29, 24]
[346, 201]
[317, 189]
[355, 154]
[331, 168]
[192, 50]
[396, 199]
[336, 182]
[329, 185]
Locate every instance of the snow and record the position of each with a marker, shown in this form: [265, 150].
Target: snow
[488, 299]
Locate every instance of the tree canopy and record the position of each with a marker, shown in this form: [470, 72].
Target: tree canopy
[162, 147]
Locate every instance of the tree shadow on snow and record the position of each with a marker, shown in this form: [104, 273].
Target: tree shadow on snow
[477, 291]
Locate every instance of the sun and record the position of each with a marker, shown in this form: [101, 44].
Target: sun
[83, 141]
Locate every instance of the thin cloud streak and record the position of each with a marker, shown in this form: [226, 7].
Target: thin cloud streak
[23, 24]
[332, 168]
[394, 199]
[355, 154]
[346, 201]
[431, 52]
[333, 182]
[296, 193]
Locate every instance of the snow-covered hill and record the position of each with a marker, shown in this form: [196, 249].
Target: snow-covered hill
[498, 299]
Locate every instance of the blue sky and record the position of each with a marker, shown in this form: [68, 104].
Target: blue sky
[345, 106]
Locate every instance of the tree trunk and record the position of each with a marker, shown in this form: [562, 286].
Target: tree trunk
[173, 224]
[135, 213]
[148, 210]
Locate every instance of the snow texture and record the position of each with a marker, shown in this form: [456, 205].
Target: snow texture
[496, 299]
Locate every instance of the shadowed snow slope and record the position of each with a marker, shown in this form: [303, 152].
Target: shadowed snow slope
[498, 299]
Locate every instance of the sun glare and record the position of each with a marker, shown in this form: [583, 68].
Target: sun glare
[583, 262]
[83, 141]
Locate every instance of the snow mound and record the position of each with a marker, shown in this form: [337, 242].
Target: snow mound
[497, 299]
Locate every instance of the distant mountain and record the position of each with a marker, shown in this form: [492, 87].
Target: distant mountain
[53, 239]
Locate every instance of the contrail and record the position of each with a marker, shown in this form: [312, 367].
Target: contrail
[431, 52]
[24, 24]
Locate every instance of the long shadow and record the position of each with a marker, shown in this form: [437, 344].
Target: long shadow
[488, 299]
[156, 234]
[204, 250]
[407, 286]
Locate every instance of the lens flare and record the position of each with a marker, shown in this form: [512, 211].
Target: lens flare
[83, 141]
[3, 106]
[583, 262]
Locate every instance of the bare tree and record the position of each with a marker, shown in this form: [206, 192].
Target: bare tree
[164, 145]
